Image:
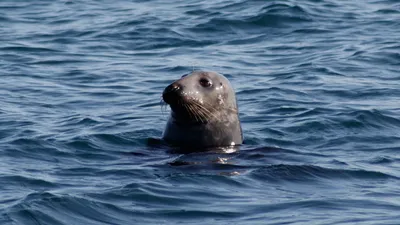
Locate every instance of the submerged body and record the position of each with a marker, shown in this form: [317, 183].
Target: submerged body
[204, 112]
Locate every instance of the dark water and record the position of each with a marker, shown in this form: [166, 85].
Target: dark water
[318, 86]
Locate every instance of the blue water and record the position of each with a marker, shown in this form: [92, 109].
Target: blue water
[318, 88]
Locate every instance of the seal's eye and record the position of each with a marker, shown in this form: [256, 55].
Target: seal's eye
[184, 75]
[205, 82]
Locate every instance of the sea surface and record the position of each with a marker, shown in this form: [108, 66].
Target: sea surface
[81, 118]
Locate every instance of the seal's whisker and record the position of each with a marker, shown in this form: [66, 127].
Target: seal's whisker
[210, 106]
[204, 110]
[198, 117]
[206, 107]
[204, 115]
[232, 110]
[163, 105]
[187, 108]
[198, 110]
[191, 113]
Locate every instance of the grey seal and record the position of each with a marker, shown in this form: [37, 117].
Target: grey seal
[204, 112]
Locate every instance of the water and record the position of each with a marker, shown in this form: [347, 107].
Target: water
[318, 87]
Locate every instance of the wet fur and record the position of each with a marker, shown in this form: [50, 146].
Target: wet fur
[198, 121]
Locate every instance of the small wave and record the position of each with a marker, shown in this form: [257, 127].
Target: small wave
[57, 62]
[377, 57]
[28, 49]
[383, 160]
[326, 123]
[28, 182]
[361, 93]
[274, 15]
[369, 119]
[387, 11]
[307, 173]
[34, 149]
[48, 208]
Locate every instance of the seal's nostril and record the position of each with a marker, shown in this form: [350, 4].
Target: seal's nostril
[175, 87]
[171, 92]
[171, 88]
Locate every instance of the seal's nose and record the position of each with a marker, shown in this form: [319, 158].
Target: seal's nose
[171, 93]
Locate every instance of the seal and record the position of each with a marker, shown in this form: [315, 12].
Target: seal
[204, 112]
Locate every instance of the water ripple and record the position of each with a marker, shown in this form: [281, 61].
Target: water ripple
[317, 85]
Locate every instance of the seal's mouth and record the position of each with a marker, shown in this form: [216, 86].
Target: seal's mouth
[185, 107]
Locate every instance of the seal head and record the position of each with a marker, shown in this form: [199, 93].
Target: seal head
[204, 112]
